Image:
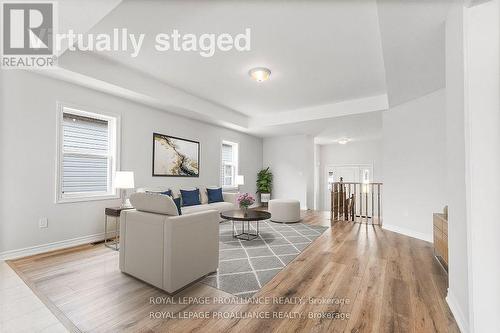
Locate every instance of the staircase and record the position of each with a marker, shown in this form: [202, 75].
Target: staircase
[356, 202]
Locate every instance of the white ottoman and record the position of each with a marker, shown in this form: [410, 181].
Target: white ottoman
[284, 210]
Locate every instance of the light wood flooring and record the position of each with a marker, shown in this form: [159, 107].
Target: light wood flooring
[392, 282]
[20, 310]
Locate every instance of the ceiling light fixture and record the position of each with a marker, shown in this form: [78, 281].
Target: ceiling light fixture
[343, 141]
[260, 74]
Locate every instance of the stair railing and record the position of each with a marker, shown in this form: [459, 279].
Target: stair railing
[356, 202]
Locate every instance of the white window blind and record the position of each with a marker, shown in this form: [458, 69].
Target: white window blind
[229, 164]
[87, 155]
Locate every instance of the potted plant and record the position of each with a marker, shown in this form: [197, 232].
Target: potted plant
[245, 200]
[264, 184]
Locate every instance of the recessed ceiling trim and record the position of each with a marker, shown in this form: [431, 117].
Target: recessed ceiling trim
[84, 67]
[355, 106]
[169, 99]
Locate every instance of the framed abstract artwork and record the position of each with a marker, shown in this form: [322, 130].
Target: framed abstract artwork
[175, 157]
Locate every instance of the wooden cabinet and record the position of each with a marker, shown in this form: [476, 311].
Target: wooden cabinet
[441, 238]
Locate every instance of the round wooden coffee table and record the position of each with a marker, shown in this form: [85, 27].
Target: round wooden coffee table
[249, 216]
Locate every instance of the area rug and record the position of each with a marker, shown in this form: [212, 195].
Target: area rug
[246, 266]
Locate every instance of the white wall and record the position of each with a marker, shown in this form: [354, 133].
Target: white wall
[28, 137]
[291, 159]
[317, 176]
[414, 165]
[355, 152]
[2, 145]
[482, 123]
[458, 289]
[309, 171]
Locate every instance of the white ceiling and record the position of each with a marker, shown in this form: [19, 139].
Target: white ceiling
[329, 59]
[413, 40]
[82, 15]
[319, 52]
[358, 127]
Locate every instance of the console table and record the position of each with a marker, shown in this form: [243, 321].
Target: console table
[441, 238]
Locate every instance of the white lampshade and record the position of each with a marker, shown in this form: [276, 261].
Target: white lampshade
[124, 179]
[240, 180]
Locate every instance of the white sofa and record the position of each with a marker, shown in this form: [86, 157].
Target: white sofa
[228, 204]
[164, 249]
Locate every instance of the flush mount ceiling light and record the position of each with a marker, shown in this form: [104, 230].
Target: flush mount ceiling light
[260, 74]
[343, 141]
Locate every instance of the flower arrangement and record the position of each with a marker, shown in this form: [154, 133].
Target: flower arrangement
[245, 200]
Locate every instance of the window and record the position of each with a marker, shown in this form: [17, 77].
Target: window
[87, 155]
[229, 164]
[331, 180]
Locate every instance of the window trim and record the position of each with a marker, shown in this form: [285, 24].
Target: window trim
[80, 110]
[235, 164]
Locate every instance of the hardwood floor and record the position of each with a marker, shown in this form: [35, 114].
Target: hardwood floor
[20, 309]
[388, 282]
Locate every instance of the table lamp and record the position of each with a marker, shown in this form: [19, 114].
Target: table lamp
[124, 180]
[240, 180]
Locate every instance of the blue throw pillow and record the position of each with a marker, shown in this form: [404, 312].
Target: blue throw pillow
[178, 204]
[190, 198]
[214, 195]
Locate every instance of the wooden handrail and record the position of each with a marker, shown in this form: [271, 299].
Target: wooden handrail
[347, 183]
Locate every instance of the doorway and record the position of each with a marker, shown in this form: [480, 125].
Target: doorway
[352, 173]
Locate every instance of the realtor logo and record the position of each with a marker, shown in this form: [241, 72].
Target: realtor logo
[28, 35]
[30, 38]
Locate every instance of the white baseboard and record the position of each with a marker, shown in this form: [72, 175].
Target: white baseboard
[29, 251]
[460, 318]
[408, 232]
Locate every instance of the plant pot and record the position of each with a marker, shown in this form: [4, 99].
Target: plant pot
[265, 197]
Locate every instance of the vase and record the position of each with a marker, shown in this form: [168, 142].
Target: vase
[244, 209]
[265, 197]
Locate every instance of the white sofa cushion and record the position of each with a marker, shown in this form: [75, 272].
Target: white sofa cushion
[194, 209]
[231, 197]
[218, 206]
[154, 203]
[221, 206]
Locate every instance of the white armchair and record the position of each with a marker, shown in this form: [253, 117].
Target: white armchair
[165, 250]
